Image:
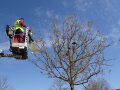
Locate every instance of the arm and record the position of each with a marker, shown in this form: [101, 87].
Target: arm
[22, 23]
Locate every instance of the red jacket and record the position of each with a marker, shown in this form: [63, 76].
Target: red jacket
[22, 23]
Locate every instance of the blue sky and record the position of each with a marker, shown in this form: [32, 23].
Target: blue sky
[22, 75]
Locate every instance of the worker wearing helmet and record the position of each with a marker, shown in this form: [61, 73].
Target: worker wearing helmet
[19, 24]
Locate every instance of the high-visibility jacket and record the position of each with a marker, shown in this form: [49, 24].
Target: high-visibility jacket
[18, 25]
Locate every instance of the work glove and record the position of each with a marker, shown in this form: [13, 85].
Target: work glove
[28, 28]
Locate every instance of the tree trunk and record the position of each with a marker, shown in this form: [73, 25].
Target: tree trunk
[72, 86]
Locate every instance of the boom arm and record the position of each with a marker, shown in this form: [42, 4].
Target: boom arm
[2, 54]
[5, 55]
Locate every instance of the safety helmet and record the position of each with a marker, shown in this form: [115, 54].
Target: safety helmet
[21, 18]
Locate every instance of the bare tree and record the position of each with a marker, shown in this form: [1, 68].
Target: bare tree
[59, 85]
[76, 52]
[99, 84]
[4, 84]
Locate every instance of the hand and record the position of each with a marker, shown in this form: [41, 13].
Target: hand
[28, 28]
